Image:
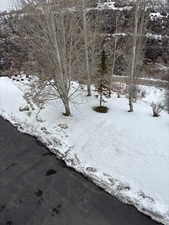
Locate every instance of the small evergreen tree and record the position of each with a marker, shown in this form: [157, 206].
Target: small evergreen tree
[102, 83]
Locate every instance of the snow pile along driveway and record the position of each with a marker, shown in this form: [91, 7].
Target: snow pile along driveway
[125, 153]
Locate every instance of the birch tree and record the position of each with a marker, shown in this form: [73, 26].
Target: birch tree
[89, 93]
[139, 17]
[114, 56]
[53, 33]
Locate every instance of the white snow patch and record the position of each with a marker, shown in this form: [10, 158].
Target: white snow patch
[154, 36]
[156, 15]
[111, 5]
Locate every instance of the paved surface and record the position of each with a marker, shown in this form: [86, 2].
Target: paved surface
[37, 189]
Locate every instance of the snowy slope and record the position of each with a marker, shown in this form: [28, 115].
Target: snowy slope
[125, 153]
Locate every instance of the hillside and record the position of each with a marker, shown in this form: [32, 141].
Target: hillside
[156, 32]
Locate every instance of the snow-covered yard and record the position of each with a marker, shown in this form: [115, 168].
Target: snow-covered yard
[125, 153]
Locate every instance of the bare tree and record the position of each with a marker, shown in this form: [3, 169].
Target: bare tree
[53, 32]
[89, 93]
[139, 19]
[114, 56]
[131, 77]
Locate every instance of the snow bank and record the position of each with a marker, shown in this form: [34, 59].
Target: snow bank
[127, 154]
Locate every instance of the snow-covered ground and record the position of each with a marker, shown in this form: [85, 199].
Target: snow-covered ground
[125, 153]
[111, 5]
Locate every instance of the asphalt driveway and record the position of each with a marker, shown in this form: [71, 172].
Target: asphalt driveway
[38, 189]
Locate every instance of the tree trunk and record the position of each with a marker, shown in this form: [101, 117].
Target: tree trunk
[130, 104]
[67, 107]
[167, 96]
[101, 98]
[101, 95]
[114, 61]
[110, 85]
[118, 94]
[133, 64]
[89, 92]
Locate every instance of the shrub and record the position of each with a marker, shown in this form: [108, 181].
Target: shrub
[101, 109]
[157, 108]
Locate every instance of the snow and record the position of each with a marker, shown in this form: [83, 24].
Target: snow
[155, 36]
[111, 5]
[127, 154]
[156, 15]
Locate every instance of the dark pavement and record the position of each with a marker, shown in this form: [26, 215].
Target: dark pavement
[37, 189]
